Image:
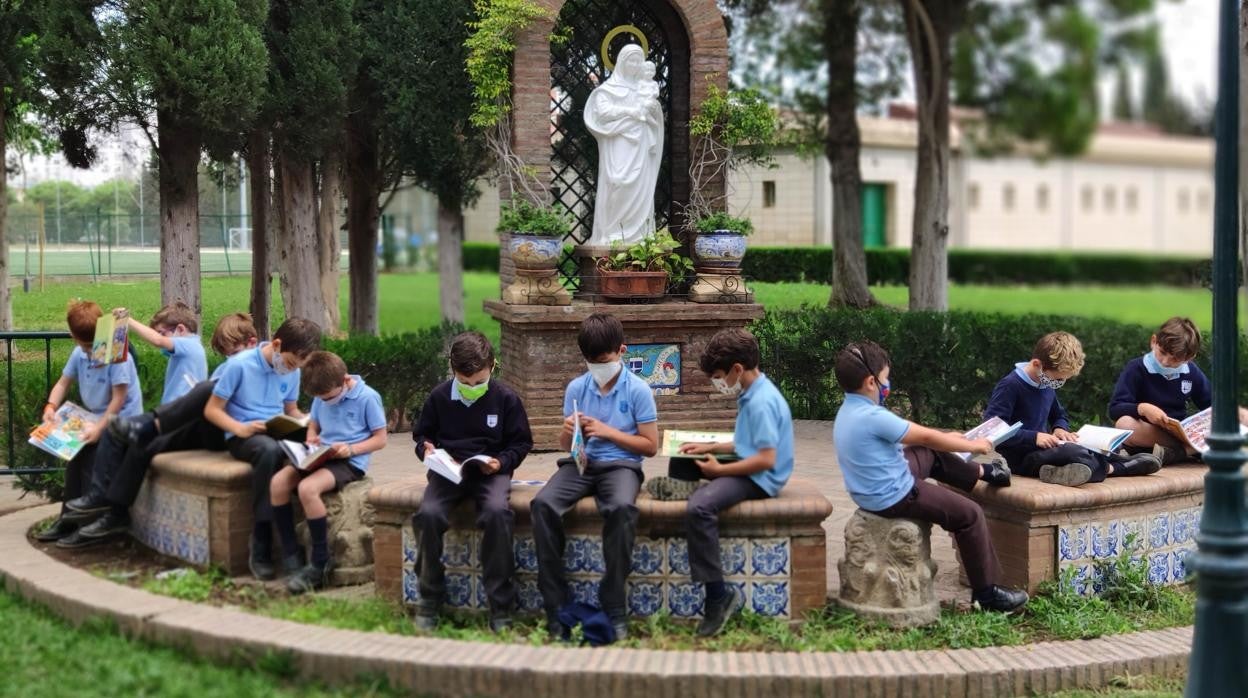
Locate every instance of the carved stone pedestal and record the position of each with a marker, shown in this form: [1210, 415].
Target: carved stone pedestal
[887, 570]
[351, 519]
[719, 287]
[536, 288]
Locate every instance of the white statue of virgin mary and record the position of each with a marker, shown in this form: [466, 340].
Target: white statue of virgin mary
[625, 117]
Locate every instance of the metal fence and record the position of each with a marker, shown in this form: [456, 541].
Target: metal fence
[15, 407]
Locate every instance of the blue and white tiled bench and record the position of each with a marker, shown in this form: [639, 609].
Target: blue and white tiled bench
[1040, 530]
[773, 550]
[197, 506]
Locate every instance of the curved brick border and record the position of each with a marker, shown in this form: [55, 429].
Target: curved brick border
[446, 667]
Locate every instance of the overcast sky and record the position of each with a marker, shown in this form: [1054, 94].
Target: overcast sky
[1189, 28]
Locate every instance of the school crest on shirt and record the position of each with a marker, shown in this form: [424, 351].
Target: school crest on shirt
[282, 386]
[491, 420]
[1185, 387]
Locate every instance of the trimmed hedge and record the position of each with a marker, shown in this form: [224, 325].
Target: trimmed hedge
[984, 267]
[944, 364]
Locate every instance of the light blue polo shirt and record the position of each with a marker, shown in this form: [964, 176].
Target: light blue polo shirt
[629, 403]
[868, 449]
[351, 420]
[764, 421]
[95, 384]
[252, 389]
[187, 360]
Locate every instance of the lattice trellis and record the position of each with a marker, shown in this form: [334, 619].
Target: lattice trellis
[575, 70]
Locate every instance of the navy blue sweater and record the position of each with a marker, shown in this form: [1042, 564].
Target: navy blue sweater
[1016, 400]
[495, 425]
[1136, 385]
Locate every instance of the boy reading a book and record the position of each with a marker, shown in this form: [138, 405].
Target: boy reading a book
[763, 438]
[1159, 385]
[619, 421]
[254, 386]
[466, 416]
[347, 417]
[1045, 447]
[106, 391]
[178, 425]
[886, 461]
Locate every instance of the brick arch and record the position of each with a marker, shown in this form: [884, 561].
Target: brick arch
[708, 57]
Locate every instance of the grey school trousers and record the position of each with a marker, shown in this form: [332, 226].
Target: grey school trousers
[702, 522]
[614, 485]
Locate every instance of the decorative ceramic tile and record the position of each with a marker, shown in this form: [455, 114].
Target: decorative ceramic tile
[645, 597]
[648, 556]
[1104, 539]
[584, 554]
[457, 550]
[1134, 534]
[1159, 568]
[769, 556]
[770, 598]
[677, 557]
[684, 600]
[1178, 565]
[732, 554]
[411, 587]
[657, 364]
[528, 596]
[458, 589]
[1183, 526]
[1159, 530]
[409, 546]
[584, 590]
[1072, 542]
[526, 554]
[1081, 581]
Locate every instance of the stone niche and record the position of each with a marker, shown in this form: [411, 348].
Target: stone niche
[539, 356]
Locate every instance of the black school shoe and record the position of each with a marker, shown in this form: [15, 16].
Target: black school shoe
[61, 528]
[996, 473]
[1167, 455]
[86, 506]
[293, 563]
[260, 561]
[132, 430]
[426, 618]
[716, 613]
[77, 540]
[110, 524]
[1071, 475]
[310, 578]
[1140, 464]
[999, 598]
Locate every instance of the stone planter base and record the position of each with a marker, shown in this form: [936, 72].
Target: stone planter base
[887, 570]
[536, 288]
[711, 287]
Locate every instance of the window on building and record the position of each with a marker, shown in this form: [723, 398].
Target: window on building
[769, 194]
[1109, 198]
[1185, 200]
[1202, 200]
[1042, 197]
[1132, 199]
[1007, 197]
[1086, 197]
[972, 196]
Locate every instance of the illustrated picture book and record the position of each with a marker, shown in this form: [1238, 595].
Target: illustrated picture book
[304, 457]
[112, 340]
[62, 437]
[996, 430]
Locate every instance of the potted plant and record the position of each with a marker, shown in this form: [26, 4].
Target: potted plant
[642, 270]
[720, 242]
[537, 234]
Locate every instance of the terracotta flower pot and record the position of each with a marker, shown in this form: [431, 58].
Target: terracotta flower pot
[626, 285]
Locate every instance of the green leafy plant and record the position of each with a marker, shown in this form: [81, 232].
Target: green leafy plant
[490, 49]
[524, 218]
[721, 221]
[655, 252]
[730, 129]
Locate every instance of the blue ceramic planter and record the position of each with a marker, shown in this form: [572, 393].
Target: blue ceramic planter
[535, 252]
[721, 249]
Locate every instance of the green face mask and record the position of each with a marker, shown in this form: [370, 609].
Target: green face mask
[472, 393]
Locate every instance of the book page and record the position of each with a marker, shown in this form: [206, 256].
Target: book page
[673, 439]
[440, 462]
[578, 441]
[1106, 439]
[995, 430]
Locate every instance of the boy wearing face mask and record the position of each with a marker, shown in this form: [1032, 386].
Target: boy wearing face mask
[1045, 447]
[173, 331]
[886, 461]
[347, 415]
[253, 387]
[1158, 385]
[763, 438]
[470, 415]
[620, 423]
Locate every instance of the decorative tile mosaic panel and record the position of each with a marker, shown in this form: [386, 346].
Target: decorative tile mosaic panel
[1162, 540]
[659, 581]
[172, 523]
[657, 364]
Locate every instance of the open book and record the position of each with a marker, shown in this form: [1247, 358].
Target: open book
[440, 462]
[112, 341]
[1101, 439]
[62, 437]
[995, 430]
[578, 440]
[1193, 431]
[283, 425]
[673, 439]
[305, 457]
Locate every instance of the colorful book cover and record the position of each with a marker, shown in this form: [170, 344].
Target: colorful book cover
[62, 437]
[578, 440]
[112, 340]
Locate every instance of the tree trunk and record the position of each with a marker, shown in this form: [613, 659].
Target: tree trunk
[296, 241]
[363, 217]
[6, 301]
[929, 25]
[843, 148]
[258, 169]
[179, 211]
[1243, 144]
[327, 238]
[451, 261]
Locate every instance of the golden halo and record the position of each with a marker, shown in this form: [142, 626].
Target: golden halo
[623, 29]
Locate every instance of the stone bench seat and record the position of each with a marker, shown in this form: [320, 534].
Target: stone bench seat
[774, 550]
[197, 506]
[1039, 529]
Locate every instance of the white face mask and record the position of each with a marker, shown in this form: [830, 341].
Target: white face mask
[603, 373]
[721, 384]
[279, 365]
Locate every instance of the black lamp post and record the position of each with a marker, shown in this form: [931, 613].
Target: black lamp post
[1219, 662]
